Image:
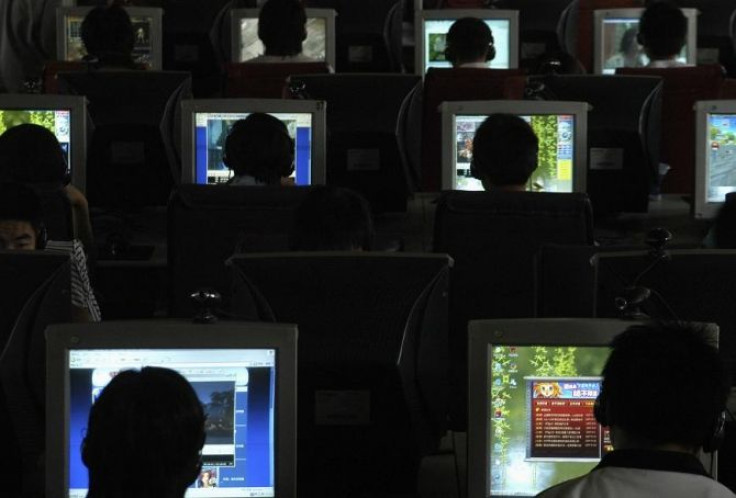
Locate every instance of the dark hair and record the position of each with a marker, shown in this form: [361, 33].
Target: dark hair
[468, 39]
[662, 29]
[663, 383]
[108, 35]
[628, 39]
[149, 419]
[30, 153]
[504, 150]
[21, 203]
[724, 228]
[260, 146]
[332, 219]
[281, 27]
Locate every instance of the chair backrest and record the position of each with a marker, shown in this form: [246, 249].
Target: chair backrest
[372, 360]
[682, 87]
[445, 85]
[264, 80]
[207, 224]
[57, 213]
[34, 292]
[134, 116]
[625, 133]
[363, 114]
[493, 238]
[52, 69]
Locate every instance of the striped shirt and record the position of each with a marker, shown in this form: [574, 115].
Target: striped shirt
[82, 294]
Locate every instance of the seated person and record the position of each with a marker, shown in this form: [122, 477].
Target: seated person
[147, 421]
[259, 151]
[629, 52]
[663, 398]
[504, 153]
[662, 34]
[108, 36]
[469, 43]
[282, 29]
[332, 219]
[31, 154]
[21, 228]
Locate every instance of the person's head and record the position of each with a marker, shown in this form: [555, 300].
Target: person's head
[469, 40]
[31, 154]
[504, 152]
[629, 46]
[108, 35]
[662, 30]
[663, 387]
[260, 146]
[332, 219]
[149, 419]
[21, 226]
[282, 27]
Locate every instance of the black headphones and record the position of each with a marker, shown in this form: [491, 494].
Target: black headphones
[42, 236]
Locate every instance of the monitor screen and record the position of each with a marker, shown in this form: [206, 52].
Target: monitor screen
[617, 46]
[715, 155]
[236, 388]
[212, 128]
[435, 32]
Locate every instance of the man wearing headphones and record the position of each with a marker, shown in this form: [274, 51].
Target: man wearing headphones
[662, 33]
[469, 43]
[663, 398]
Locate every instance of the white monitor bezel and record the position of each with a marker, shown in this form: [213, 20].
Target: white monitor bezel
[702, 207]
[77, 106]
[486, 107]
[421, 16]
[156, 34]
[170, 334]
[328, 15]
[534, 331]
[600, 15]
[314, 107]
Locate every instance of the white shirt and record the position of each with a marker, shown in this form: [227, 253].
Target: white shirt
[283, 59]
[666, 63]
[642, 474]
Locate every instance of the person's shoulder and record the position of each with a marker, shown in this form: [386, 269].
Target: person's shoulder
[566, 489]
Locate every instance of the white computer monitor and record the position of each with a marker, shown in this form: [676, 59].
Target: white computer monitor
[206, 124]
[561, 128]
[431, 27]
[715, 155]
[64, 115]
[319, 45]
[250, 451]
[615, 30]
[532, 387]
[147, 29]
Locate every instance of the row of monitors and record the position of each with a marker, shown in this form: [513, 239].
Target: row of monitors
[615, 36]
[525, 419]
[560, 126]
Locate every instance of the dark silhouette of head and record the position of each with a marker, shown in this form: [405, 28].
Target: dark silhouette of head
[282, 27]
[30, 153]
[149, 420]
[662, 30]
[108, 35]
[664, 385]
[504, 152]
[21, 226]
[469, 40]
[332, 219]
[260, 146]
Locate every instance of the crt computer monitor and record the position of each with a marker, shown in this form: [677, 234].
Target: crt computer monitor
[206, 124]
[431, 27]
[715, 155]
[615, 33]
[243, 373]
[561, 128]
[147, 29]
[64, 115]
[319, 45]
[532, 387]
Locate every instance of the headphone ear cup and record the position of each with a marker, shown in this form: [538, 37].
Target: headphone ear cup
[717, 435]
[42, 237]
[599, 411]
[473, 170]
[491, 54]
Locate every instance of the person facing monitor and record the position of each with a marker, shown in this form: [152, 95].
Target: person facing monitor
[663, 396]
[469, 43]
[282, 30]
[504, 153]
[259, 151]
[662, 34]
[109, 37]
[144, 423]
